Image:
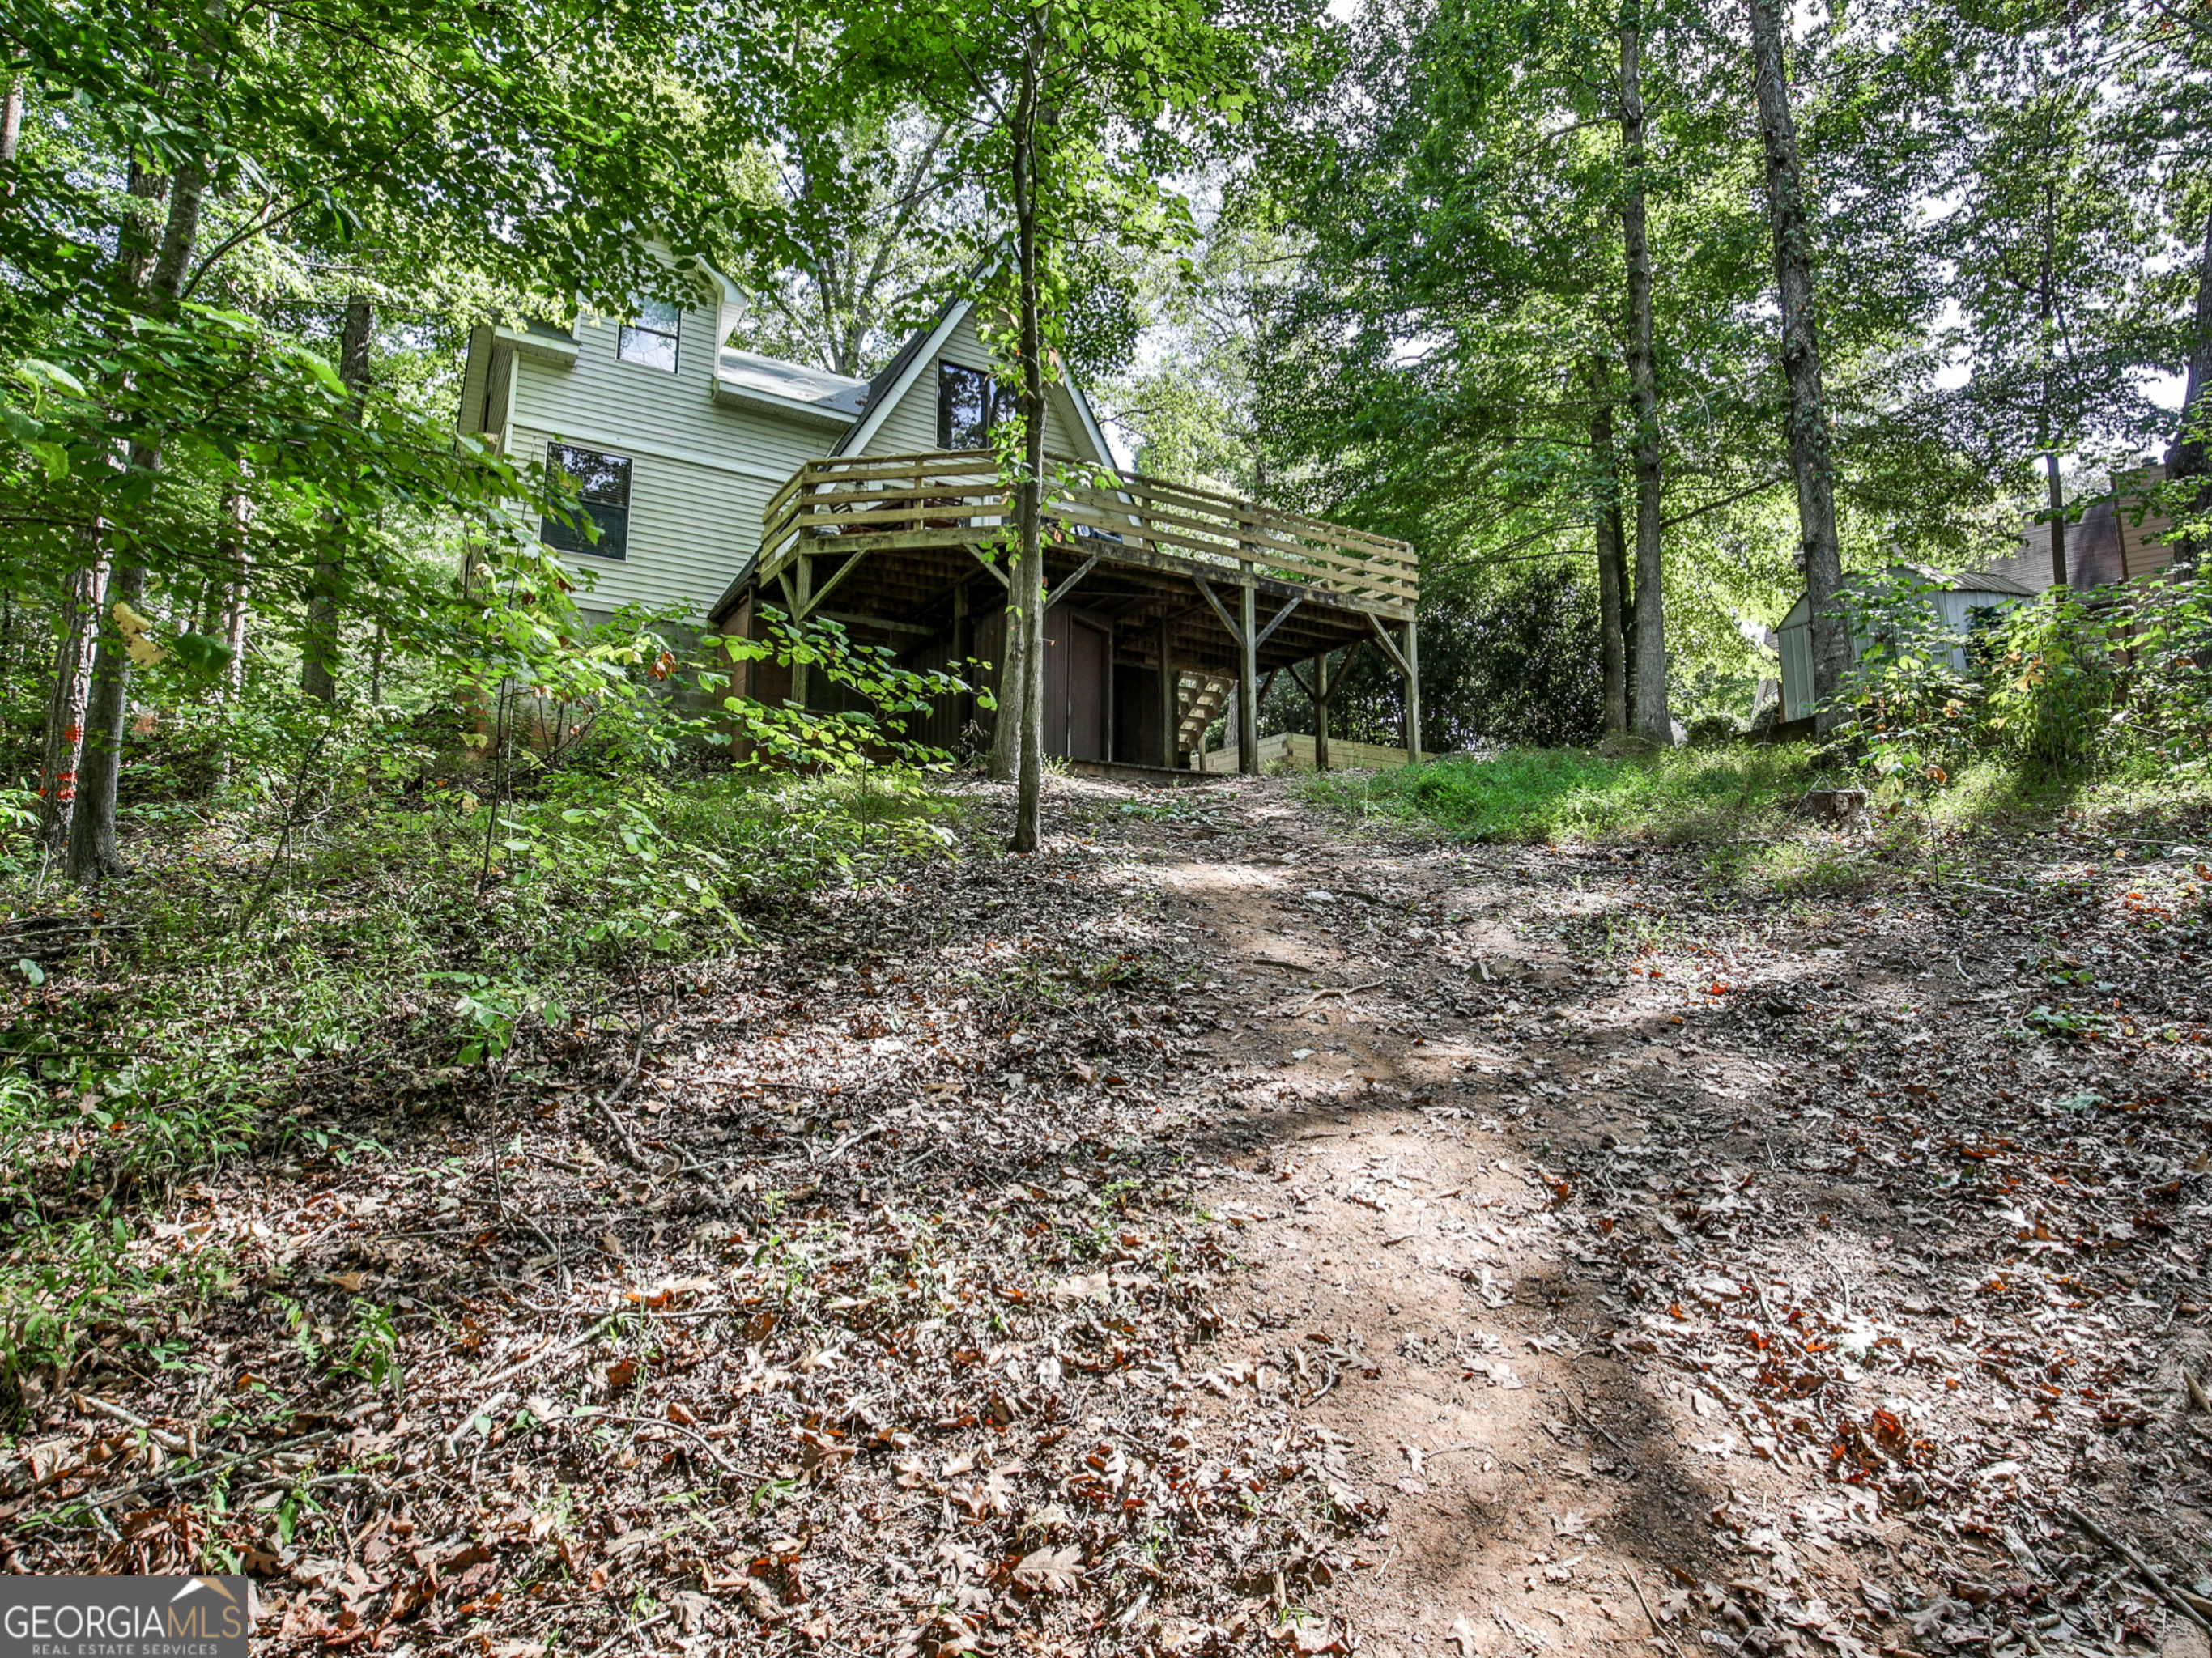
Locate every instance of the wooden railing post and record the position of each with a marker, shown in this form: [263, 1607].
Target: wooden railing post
[804, 587]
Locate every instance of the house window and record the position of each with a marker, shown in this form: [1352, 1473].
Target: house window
[650, 340]
[969, 402]
[602, 481]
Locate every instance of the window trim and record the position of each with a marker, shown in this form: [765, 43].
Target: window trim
[673, 334]
[611, 516]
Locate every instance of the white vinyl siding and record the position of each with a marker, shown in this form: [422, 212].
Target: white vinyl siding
[701, 472]
[910, 428]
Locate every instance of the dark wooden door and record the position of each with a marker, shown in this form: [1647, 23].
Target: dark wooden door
[1090, 694]
[1078, 667]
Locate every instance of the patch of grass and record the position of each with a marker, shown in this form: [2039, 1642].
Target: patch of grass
[1677, 797]
[1808, 869]
[1994, 794]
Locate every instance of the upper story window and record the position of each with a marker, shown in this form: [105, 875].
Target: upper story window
[650, 339]
[969, 402]
[602, 481]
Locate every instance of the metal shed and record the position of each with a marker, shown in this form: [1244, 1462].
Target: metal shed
[1965, 600]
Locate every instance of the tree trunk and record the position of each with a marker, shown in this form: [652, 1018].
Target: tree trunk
[2047, 312]
[236, 551]
[63, 754]
[2055, 492]
[11, 123]
[1605, 518]
[1029, 518]
[1811, 463]
[65, 703]
[92, 849]
[1005, 759]
[1653, 721]
[319, 657]
[2189, 462]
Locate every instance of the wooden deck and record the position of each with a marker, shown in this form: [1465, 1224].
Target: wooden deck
[1196, 583]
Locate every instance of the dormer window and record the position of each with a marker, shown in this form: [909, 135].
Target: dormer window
[650, 340]
[969, 402]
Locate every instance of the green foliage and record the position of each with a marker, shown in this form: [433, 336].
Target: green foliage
[1685, 795]
[2113, 680]
[1511, 661]
[891, 698]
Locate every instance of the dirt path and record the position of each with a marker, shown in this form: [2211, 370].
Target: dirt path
[1658, 1322]
[1225, 1230]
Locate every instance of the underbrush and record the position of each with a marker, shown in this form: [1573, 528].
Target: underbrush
[271, 962]
[1539, 795]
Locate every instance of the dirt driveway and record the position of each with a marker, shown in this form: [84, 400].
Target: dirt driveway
[1233, 1229]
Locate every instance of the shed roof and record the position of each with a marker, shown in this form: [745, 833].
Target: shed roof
[1960, 581]
[792, 382]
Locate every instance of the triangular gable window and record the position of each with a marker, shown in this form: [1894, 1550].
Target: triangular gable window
[969, 404]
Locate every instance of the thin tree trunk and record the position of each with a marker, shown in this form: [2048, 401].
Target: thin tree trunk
[2047, 311]
[62, 756]
[11, 123]
[65, 703]
[2055, 492]
[236, 549]
[92, 850]
[1006, 757]
[1605, 518]
[2188, 461]
[1811, 463]
[319, 659]
[1653, 721]
[1030, 516]
[1629, 616]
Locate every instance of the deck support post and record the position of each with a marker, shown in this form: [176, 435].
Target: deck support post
[964, 646]
[1248, 683]
[1170, 693]
[1412, 693]
[1321, 696]
[804, 598]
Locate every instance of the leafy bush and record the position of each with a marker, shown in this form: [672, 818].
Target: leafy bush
[2056, 687]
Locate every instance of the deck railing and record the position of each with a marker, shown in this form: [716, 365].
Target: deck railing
[951, 498]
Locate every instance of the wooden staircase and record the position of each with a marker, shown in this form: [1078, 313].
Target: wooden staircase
[1200, 698]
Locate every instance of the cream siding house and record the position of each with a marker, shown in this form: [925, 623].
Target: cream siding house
[729, 489]
[679, 441]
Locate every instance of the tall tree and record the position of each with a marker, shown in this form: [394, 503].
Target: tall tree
[318, 653]
[876, 222]
[2051, 246]
[1066, 112]
[1653, 720]
[92, 849]
[1812, 461]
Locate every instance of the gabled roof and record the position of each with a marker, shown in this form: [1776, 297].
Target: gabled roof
[1964, 581]
[899, 375]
